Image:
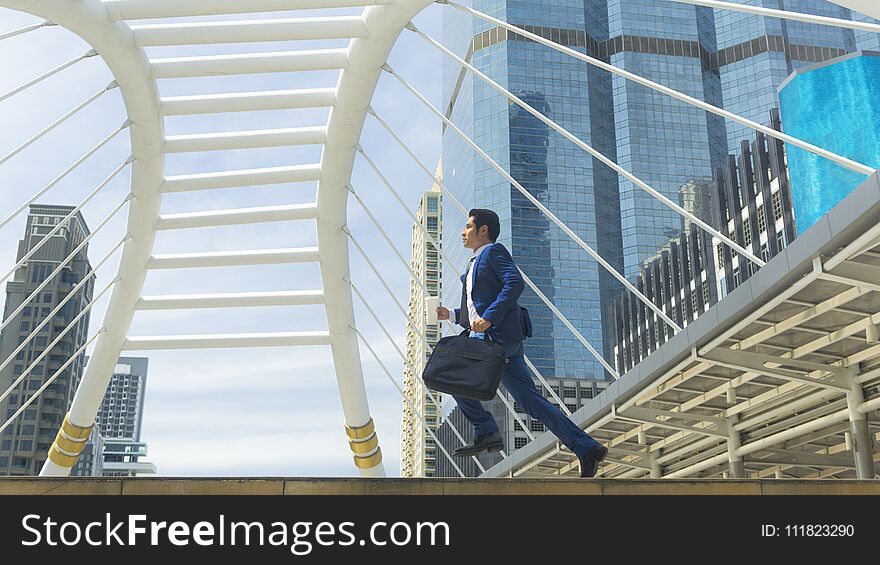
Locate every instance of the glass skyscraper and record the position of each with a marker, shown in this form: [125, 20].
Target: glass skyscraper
[729, 59]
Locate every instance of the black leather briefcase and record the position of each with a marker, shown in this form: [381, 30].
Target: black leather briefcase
[466, 367]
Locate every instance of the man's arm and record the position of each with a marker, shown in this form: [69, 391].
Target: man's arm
[512, 284]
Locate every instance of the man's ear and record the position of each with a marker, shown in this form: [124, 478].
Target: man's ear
[484, 230]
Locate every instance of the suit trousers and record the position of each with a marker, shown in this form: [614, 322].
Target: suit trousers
[517, 379]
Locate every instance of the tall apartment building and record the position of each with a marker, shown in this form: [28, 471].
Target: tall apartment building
[120, 418]
[418, 452]
[25, 444]
[574, 393]
[727, 58]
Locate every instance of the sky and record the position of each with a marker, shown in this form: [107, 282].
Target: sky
[236, 412]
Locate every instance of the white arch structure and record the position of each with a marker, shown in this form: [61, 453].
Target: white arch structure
[371, 35]
[102, 25]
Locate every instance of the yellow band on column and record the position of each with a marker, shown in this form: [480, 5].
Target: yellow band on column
[75, 432]
[367, 446]
[68, 444]
[361, 432]
[369, 461]
[60, 458]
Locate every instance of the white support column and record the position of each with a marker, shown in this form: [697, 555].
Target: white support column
[355, 89]
[734, 442]
[656, 468]
[128, 63]
[858, 421]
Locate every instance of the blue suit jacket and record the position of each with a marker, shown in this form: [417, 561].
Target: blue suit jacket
[497, 285]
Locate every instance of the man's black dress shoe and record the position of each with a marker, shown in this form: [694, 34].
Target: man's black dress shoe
[591, 459]
[489, 442]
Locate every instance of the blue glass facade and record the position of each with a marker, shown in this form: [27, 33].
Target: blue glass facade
[837, 107]
[729, 59]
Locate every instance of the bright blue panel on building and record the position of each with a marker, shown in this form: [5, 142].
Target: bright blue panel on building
[837, 107]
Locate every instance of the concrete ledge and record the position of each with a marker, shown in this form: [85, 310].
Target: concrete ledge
[398, 486]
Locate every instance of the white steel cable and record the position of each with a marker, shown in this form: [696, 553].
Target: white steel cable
[46, 75]
[70, 169]
[445, 191]
[54, 376]
[412, 323]
[783, 14]
[57, 122]
[589, 149]
[528, 195]
[411, 368]
[384, 234]
[26, 29]
[66, 219]
[408, 401]
[61, 264]
[58, 338]
[61, 304]
[840, 160]
[573, 330]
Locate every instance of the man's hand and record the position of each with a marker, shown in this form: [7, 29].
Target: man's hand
[480, 325]
[442, 313]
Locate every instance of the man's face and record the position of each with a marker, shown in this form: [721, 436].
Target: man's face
[472, 238]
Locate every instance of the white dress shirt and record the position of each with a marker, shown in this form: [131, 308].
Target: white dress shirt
[469, 284]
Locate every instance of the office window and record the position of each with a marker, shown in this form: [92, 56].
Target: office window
[432, 223]
[747, 233]
[47, 297]
[536, 426]
[432, 204]
[571, 407]
[705, 292]
[762, 222]
[777, 206]
[519, 442]
[516, 426]
[26, 445]
[720, 255]
[570, 391]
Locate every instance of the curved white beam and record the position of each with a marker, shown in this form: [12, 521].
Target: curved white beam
[249, 101]
[128, 63]
[234, 258]
[224, 141]
[232, 300]
[248, 177]
[249, 63]
[784, 14]
[290, 29]
[354, 92]
[149, 9]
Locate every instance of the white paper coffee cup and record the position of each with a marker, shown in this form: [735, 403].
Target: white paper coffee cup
[431, 305]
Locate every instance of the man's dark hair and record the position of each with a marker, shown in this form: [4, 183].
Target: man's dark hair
[483, 217]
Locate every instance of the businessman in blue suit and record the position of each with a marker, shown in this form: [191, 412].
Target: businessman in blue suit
[491, 286]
